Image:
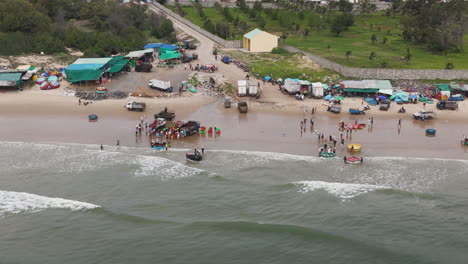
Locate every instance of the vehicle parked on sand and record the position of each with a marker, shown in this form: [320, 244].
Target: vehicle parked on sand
[166, 114]
[334, 109]
[241, 87]
[189, 44]
[242, 107]
[423, 115]
[452, 105]
[227, 102]
[160, 85]
[253, 88]
[135, 106]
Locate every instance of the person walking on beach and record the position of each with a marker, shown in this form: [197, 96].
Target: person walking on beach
[424, 105]
[399, 122]
[190, 64]
[311, 122]
[313, 110]
[185, 66]
[372, 121]
[102, 147]
[79, 101]
[202, 151]
[118, 143]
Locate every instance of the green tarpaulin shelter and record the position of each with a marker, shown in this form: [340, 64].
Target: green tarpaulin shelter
[443, 87]
[354, 90]
[83, 75]
[117, 63]
[10, 78]
[166, 56]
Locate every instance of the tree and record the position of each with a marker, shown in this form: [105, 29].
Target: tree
[305, 33]
[345, 6]
[373, 38]
[261, 22]
[372, 55]
[384, 40]
[223, 30]
[408, 55]
[284, 36]
[449, 66]
[366, 7]
[340, 24]
[383, 64]
[348, 53]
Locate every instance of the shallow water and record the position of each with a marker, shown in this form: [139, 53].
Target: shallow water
[71, 203]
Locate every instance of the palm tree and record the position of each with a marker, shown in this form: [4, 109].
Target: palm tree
[348, 53]
[373, 38]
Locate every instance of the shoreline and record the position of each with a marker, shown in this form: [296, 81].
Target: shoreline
[56, 118]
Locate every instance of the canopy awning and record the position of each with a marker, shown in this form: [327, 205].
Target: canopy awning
[167, 56]
[118, 65]
[83, 75]
[355, 90]
[10, 78]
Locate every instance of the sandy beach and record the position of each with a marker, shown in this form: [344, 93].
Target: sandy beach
[272, 124]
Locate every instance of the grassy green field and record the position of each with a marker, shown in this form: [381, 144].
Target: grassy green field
[356, 40]
[283, 66]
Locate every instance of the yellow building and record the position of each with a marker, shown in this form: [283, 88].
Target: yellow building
[260, 41]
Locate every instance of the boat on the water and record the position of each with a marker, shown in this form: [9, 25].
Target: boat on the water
[354, 147]
[93, 117]
[430, 132]
[327, 154]
[197, 157]
[353, 160]
[159, 145]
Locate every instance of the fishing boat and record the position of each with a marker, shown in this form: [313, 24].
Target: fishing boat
[327, 154]
[93, 117]
[197, 157]
[354, 147]
[40, 80]
[54, 85]
[430, 132]
[159, 145]
[353, 160]
[101, 90]
[464, 141]
[45, 85]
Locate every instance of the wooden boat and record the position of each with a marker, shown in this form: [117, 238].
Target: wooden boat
[464, 141]
[93, 117]
[194, 157]
[45, 85]
[40, 80]
[354, 126]
[159, 145]
[354, 147]
[356, 111]
[353, 160]
[101, 90]
[327, 155]
[430, 132]
[54, 85]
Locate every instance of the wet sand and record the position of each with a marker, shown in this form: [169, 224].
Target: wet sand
[262, 129]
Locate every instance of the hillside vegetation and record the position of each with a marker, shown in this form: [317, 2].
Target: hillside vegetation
[96, 27]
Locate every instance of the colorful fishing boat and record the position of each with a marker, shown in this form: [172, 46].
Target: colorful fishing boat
[101, 90]
[430, 132]
[327, 154]
[93, 117]
[40, 80]
[354, 147]
[353, 160]
[54, 85]
[159, 145]
[45, 86]
[464, 141]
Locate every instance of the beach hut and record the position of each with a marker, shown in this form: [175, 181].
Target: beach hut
[259, 41]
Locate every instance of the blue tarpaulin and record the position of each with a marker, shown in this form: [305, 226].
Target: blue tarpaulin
[160, 45]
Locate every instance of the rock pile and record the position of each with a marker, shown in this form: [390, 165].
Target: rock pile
[96, 97]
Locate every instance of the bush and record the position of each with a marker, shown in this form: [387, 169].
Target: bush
[279, 50]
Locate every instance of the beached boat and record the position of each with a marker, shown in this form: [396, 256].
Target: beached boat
[159, 145]
[93, 117]
[356, 111]
[101, 90]
[430, 132]
[45, 86]
[354, 126]
[194, 157]
[354, 147]
[54, 85]
[464, 141]
[40, 80]
[353, 160]
[327, 155]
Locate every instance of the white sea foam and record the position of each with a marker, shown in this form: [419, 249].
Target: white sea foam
[21, 202]
[272, 155]
[164, 168]
[340, 190]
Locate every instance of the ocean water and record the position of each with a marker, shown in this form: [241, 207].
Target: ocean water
[72, 203]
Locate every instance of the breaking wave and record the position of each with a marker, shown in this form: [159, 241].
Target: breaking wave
[21, 202]
[340, 190]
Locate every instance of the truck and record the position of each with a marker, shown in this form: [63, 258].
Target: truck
[160, 85]
[334, 109]
[452, 105]
[291, 86]
[166, 114]
[135, 106]
[242, 87]
[423, 115]
[317, 90]
[242, 107]
[384, 105]
[253, 88]
[189, 44]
